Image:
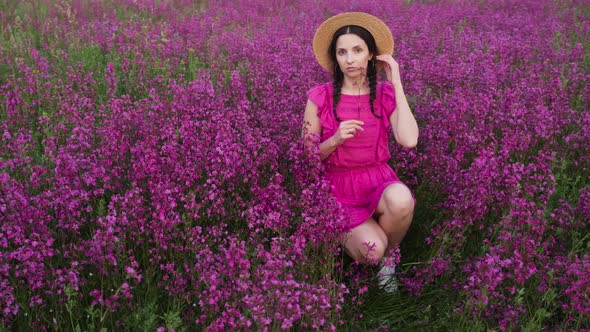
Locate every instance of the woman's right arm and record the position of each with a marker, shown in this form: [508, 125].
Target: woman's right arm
[346, 130]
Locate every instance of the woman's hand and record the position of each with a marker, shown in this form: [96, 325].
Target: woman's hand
[347, 130]
[391, 68]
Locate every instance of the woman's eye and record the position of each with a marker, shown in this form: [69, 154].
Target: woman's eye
[341, 52]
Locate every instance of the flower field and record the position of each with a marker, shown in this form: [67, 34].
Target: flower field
[152, 175]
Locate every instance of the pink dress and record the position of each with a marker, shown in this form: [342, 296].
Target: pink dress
[358, 169]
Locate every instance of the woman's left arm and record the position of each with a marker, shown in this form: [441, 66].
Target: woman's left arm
[403, 123]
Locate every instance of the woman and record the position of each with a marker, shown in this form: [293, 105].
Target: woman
[353, 116]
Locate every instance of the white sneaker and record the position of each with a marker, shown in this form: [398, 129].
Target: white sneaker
[386, 276]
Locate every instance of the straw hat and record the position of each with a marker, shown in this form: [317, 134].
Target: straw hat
[325, 32]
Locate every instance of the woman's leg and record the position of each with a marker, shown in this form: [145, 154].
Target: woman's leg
[366, 242]
[394, 212]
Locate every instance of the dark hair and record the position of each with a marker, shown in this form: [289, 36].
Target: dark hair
[338, 75]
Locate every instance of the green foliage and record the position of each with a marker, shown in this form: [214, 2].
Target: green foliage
[172, 319]
[145, 318]
[193, 64]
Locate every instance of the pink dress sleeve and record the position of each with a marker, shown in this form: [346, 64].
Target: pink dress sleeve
[387, 98]
[387, 108]
[318, 96]
[321, 95]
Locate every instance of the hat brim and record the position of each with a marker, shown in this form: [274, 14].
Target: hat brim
[325, 32]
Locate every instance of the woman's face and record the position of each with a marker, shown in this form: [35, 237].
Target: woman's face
[352, 55]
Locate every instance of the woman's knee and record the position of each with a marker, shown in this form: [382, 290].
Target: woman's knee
[398, 199]
[370, 250]
[377, 251]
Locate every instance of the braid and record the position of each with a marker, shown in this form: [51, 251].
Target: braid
[337, 84]
[372, 76]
